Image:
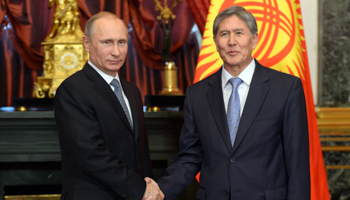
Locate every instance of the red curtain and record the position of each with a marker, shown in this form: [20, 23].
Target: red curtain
[23, 28]
[25, 24]
[199, 10]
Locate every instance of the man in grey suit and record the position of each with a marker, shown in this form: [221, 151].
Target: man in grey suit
[245, 127]
[102, 132]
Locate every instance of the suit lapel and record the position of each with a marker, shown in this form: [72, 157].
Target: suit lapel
[106, 92]
[216, 102]
[257, 93]
[133, 106]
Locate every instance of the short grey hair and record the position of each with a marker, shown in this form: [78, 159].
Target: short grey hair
[241, 13]
[104, 14]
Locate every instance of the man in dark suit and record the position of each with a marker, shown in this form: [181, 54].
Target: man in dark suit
[250, 139]
[103, 139]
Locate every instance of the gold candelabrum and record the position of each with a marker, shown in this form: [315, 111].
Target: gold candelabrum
[166, 21]
[64, 53]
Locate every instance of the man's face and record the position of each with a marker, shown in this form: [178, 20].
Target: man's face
[108, 45]
[234, 42]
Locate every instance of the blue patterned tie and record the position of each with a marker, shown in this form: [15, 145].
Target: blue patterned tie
[233, 109]
[118, 93]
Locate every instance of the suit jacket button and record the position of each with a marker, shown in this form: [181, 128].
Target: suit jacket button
[225, 192]
[233, 160]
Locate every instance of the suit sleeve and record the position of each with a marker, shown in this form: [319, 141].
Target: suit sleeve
[80, 133]
[187, 162]
[296, 143]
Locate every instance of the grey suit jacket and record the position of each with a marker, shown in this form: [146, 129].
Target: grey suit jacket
[270, 157]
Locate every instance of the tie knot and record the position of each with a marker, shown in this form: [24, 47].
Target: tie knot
[235, 82]
[115, 83]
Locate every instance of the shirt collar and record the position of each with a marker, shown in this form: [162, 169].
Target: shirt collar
[106, 77]
[246, 75]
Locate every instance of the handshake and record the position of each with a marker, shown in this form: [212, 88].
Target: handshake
[153, 191]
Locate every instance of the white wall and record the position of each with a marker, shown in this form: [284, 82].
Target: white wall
[309, 11]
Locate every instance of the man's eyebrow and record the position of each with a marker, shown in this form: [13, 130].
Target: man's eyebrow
[238, 29]
[234, 30]
[106, 39]
[111, 39]
[224, 30]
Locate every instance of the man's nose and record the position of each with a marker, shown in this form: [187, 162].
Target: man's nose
[232, 39]
[115, 50]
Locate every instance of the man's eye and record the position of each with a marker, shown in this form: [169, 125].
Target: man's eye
[239, 33]
[106, 42]
[122, 42]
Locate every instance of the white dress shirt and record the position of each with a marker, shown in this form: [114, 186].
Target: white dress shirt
[246, 76]
[109, 79]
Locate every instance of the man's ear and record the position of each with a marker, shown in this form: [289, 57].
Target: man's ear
[255, 40]
[216, 43]
[86, 43]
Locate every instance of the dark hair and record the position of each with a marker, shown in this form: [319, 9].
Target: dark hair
[241, 13]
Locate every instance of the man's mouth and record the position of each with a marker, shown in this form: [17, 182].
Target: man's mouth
[232, 52]
[114, 61]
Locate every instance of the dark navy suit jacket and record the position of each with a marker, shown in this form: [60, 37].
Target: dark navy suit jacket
[270, 156]
[102, 157]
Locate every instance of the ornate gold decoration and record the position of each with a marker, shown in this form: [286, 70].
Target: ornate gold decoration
[153, 109]
[64, 53]
[165, 12]
[166, 21]
[21, 108]
[170, 85]
[334, 126]
[333, 120]
[33, 197]
[66, 17]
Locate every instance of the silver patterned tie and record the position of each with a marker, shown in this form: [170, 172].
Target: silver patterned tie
[118, 93]
[233, 109]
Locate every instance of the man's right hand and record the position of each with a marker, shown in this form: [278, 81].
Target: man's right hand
[153, 191]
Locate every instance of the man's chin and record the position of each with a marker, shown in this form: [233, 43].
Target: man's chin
[114, 68]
